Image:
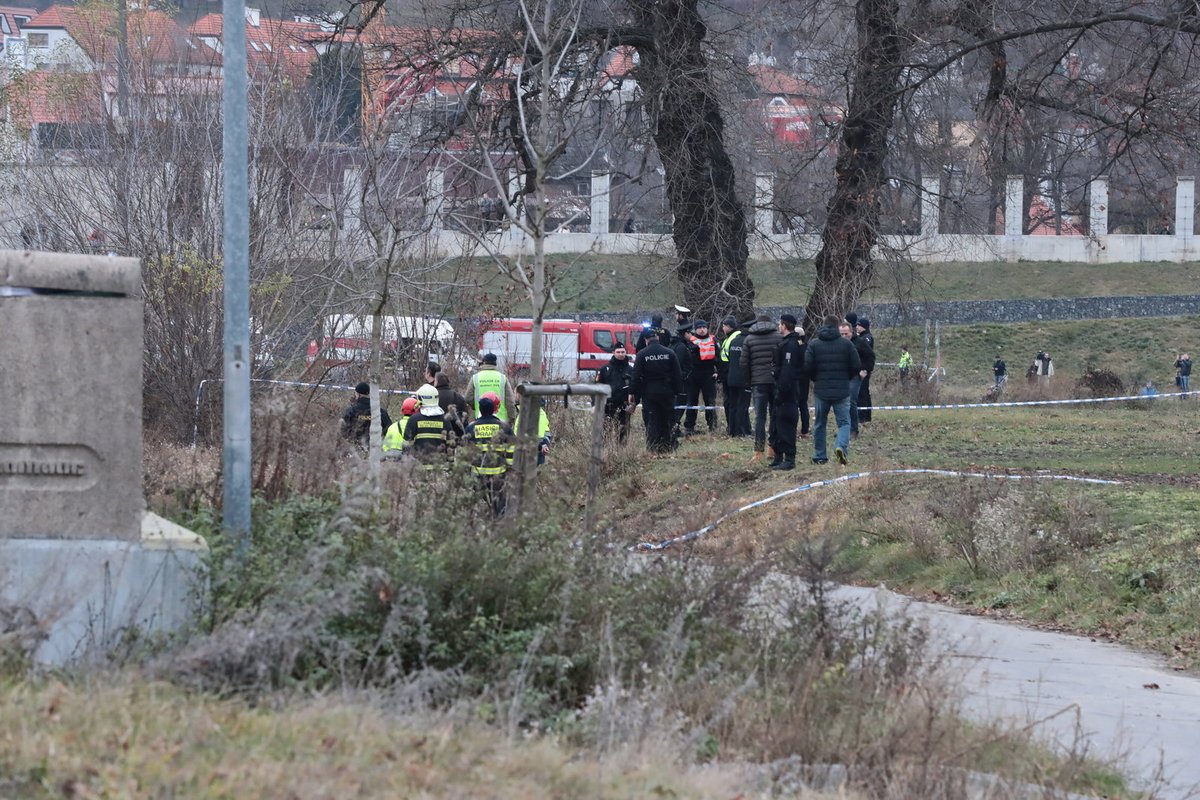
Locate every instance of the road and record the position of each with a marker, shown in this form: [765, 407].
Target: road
[1127, 704]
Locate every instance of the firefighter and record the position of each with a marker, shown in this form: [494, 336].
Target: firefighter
[356, 419]
[656, 381]
[493, 440]
[543, 434]
[431, 431]
[702, 382]
[393, 440]
[491, 379]
[618, 374]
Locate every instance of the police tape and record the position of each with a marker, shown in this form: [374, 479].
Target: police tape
[698, 408]
[696, 534]
[1015, 403]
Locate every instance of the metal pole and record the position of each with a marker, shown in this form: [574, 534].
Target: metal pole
[596, 461]
[235, 456]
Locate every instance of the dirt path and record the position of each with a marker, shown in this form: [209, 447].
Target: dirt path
[1126, 704]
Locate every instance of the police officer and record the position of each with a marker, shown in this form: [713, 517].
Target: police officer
[682, 346]
[737, 380]
[431, 431]
[655, 326]
[789, 364]
[656, 382]
[618, 374]
[493, 440]
[702, 383]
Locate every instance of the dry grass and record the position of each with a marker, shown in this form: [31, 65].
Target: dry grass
[128, 739]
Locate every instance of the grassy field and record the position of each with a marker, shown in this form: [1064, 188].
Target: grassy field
[639, 283]
[1121, 562]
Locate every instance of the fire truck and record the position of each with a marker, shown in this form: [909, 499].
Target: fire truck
[569, 347]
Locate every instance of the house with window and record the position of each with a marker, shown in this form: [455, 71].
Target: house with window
[12, 20]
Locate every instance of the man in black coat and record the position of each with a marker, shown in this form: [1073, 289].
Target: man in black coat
[866, 357]
[656, 382]
[655, 326]
[863, 327]
[356, 419]
[758, 358]
[789, 365]
[681, 345]
[736, 379]
[618, 374]
[830, 360]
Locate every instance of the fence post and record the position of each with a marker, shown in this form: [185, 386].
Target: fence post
[1185, 207]
[1098, 206]
[601, 184]
[764, 203]
[1014, 205]
[931, 191]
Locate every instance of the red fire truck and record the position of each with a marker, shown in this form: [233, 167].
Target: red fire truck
[568, 347]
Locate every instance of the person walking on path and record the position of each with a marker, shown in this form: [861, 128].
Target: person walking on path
[656, 381]
[830, 360]
[491, 379]
[1183, 367]
[758, 356]
[789, 366]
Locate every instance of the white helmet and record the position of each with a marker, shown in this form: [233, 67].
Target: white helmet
[427, 395]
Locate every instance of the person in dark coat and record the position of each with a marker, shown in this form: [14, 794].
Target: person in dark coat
[448, 397]
[682, 346]
[656, 382]
[737, 380]
[866, 357]
[758, 358]
[702, 382]
[789, 365]
[830, 360]
[618, 374]
[356, 419]
[655, 326]
[863, 327]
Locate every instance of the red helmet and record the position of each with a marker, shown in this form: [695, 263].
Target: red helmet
[495, 398]
[411, 404]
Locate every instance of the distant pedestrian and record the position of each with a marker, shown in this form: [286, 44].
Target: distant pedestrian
[1148, 390]
[1183, 372]
[866, 357]
[789, 366]
[999, 370]
[905, 365]
[830, 361]
[1045, 367]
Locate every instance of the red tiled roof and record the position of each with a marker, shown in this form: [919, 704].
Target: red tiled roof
[774, 81]
[39, 97]
[154, 38]
[272, 44]
[9, 23]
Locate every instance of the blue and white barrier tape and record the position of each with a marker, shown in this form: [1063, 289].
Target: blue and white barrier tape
[1015, 403]
[694, 535]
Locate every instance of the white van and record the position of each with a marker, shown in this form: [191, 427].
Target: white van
[345, 340]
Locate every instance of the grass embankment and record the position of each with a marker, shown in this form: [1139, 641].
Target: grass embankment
[1121, 562]
[130, 739]
[639, 283]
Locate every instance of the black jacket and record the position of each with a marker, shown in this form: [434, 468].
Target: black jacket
[619, 376]
[656, 372]
[866, 353]
[789, 367]
[664, 337]
[758, 353]
[447, 397]
[736, 376]
[1184, 366]
[356, 420]
[830, 361]
[685, 352]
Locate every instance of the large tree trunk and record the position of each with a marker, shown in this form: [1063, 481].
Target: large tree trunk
[710, 221]
[844, 264]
